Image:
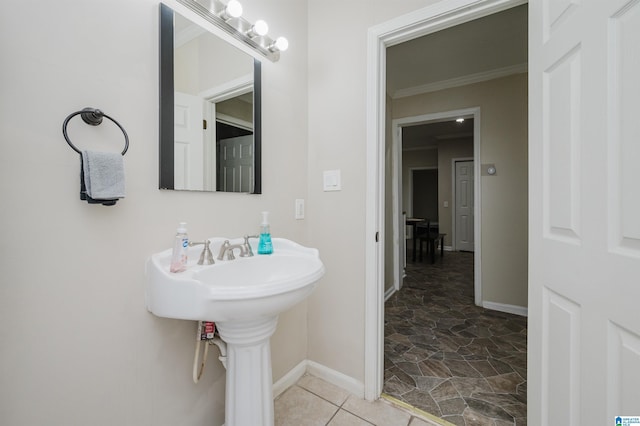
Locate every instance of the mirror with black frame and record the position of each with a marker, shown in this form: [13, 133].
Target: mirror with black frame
[210, 109]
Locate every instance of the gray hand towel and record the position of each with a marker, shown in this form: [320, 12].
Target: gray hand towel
[103, 174]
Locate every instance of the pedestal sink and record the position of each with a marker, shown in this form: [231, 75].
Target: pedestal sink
[244, 297]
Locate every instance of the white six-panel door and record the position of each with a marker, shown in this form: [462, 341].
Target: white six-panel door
[464, 214]
[189, 143]
[236, 164]
[584, 239]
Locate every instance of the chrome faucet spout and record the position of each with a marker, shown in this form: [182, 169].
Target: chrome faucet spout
[226, 250]
[248, 250]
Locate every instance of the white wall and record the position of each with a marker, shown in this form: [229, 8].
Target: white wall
[337, 140]
[196, 69]
[77, 344]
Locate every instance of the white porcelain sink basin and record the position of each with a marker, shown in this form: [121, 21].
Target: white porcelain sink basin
[230, 290]
[244, 297]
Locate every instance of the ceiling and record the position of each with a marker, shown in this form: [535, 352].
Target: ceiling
[492, 45]
[429, 135]
[493, 42]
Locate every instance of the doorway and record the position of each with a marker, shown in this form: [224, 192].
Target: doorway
[451, 145]
[445, 14]
[424, 193]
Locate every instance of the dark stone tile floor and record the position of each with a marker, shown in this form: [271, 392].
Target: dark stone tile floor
[449, 357]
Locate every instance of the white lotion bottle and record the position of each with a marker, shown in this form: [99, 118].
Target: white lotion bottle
[180, 246]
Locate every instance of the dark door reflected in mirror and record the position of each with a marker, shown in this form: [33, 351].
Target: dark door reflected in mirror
[209, 110]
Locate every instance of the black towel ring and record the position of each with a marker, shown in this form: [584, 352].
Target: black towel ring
[93, 117]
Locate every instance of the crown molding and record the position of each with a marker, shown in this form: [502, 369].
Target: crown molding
[461, 81]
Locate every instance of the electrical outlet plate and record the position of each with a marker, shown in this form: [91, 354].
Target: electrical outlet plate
[299, 208]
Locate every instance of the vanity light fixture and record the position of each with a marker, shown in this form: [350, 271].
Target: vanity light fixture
[260, 28]
[281, 44]
[228, 17]
[232, 10]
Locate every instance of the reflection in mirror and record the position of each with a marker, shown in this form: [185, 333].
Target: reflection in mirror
[209, 110]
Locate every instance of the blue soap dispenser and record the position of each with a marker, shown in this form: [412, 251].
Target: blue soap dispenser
[264, 245]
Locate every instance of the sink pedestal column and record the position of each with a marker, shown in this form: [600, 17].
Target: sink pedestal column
[249, 386]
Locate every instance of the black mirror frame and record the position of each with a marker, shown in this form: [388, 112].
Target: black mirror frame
[167, 102]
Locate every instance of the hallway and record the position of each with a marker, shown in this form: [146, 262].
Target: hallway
[449, 357]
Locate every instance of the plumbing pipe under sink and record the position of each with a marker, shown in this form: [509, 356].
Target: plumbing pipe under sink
[222, 346]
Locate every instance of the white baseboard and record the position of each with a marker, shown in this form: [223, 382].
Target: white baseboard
[337, 378]
[320, 371]
[389, 293]
[290, 378]
[503, 307]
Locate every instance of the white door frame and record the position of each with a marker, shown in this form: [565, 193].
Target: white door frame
[444, 14]
[210, 97]
[398, 221]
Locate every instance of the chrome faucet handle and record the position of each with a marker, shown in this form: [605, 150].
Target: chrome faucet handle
[206, 257]
[248, 252]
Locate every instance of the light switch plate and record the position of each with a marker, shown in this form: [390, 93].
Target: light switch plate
[331, 180]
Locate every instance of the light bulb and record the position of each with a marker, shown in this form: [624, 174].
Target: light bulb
[281, 44]
[260, 27]
[233, 9]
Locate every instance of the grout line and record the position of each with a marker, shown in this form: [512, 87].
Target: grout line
[320, 396]
[355, 415]
[343, 409]
[418, 412]
[332, 417]
[338, 407]
[349, 395]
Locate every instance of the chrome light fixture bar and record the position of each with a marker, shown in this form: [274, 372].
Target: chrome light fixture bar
[227, 17]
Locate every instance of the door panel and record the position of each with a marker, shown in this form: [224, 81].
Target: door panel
[236, 164]
[624, 134]
[561, 145]
[189, 142]
[464, 206]
[584, 233]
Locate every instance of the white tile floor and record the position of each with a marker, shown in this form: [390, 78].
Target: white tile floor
[314, 402]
